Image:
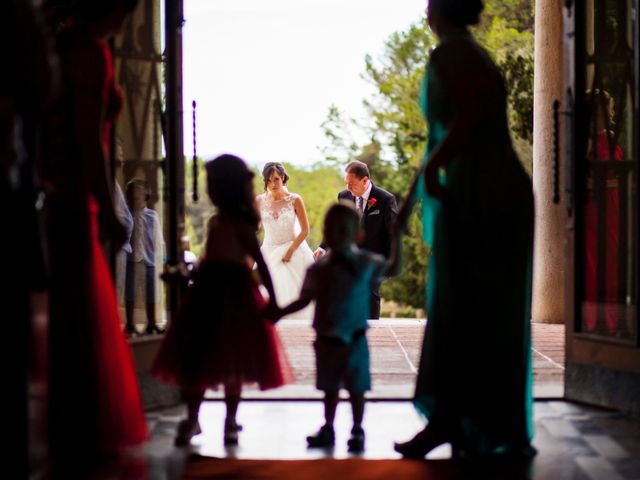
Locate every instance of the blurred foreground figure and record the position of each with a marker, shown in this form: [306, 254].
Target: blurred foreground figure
[95, 404]
[26, 89]
[477, 205]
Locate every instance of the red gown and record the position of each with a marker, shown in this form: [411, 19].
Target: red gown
[95, 403]
[611, 212]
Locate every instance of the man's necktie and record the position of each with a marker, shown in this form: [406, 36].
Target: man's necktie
[360, 204]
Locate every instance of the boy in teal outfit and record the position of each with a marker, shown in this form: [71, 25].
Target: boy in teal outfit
[340, 283]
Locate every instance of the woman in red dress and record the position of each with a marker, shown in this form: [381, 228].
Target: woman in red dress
[602, 150]
[95, 408]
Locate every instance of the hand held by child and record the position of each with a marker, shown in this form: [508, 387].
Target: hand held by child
[272, 313]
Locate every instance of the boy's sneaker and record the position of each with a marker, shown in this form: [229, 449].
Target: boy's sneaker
[231, 429]
[325, 437]
[356, 442]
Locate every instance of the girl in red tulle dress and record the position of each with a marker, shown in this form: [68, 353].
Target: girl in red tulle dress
[95, 408]
[220, 335]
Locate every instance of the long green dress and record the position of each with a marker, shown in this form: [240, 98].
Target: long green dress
[475, 368]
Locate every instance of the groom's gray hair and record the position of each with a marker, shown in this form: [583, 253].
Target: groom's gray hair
[358, 168]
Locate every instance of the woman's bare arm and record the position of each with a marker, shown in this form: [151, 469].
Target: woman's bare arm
[258, 205]
[301, 214]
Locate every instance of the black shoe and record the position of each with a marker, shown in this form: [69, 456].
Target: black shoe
[422, 443]
[130, 330]
[325, 437]
[232, 427]
[356, 443]
[231, 434]
[151, 329]
[230, 438]
[187, 429]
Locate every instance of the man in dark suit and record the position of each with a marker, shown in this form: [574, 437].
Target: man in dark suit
[378, 209]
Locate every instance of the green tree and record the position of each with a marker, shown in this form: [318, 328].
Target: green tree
[507, 33]
[396, 130]
[395, 126]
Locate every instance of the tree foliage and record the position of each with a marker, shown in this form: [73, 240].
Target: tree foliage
[396, 130]
[391, 140]
[507, 33]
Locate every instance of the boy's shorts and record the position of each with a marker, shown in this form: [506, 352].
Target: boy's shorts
[341, 365]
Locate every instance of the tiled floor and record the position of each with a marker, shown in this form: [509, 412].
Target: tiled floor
[574, 442]
[395, 353]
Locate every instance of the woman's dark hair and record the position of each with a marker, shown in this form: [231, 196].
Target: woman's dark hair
[460, 12]
[274, 167]
[599, 102]
[228, 181]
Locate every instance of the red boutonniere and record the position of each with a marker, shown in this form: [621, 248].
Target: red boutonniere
[371, 202]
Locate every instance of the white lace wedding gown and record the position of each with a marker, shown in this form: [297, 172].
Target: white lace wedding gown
[281, 227]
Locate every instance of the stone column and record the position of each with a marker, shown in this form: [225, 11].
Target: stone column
[548, 276]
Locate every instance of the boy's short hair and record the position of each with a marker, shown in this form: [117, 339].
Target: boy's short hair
[138, 183]
[343, 209]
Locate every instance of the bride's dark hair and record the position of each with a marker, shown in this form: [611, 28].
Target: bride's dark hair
[230, 187]
[274, 167]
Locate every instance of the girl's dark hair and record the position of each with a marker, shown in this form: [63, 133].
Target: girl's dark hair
[137, 183]
[272, 167]
[342, 210]
[460, 12]
[228, 180]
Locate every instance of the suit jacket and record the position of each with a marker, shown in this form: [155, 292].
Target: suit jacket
[379, 214]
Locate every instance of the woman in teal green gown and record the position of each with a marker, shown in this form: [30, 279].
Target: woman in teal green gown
[474, 379]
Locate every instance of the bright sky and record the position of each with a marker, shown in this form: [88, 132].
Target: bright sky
[264, 72]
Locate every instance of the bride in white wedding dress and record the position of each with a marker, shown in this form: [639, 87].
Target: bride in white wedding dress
[286, 227]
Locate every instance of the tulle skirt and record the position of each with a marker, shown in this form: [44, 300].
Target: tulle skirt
[288, 277]
[95, 403]
[219, 336]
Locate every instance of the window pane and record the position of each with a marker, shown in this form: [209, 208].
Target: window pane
[610, 203]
